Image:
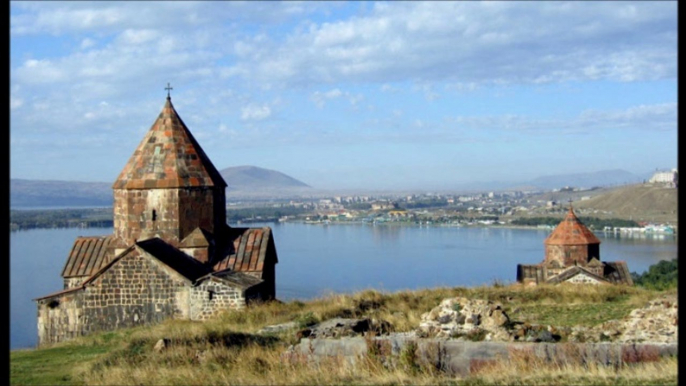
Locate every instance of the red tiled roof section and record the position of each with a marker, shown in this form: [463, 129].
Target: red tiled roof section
[87, 255]
[168, 157]
[250, 251]
[571, 231]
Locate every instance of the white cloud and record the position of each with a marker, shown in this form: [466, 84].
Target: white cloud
[647, 117]
[466, 44]
[641, 118]
[355, 99]
[87, 43]
[255, 112]
[320, 98]
[222, 56]
[478, 42]
[41, 71]
[16, 103]
[138, 36]
[388, 88]
[32, 17]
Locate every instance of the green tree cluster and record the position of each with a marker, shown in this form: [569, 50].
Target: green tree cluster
[60, 218]
[660, 276]
[427, 203]
[264, 213]
[591, 222]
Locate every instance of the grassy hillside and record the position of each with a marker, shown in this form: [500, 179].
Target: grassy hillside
[639, 202]
[227, 349]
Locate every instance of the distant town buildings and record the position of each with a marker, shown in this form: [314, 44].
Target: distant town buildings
[384, 205]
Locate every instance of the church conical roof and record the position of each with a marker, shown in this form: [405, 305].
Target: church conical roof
[571, 231]
[168, 157]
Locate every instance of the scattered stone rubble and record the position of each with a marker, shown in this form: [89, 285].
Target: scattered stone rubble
[277, 328]
[474, 319]
[466, 319]
[451, 338]
[344, 327]
[657, 322]
[161, 345]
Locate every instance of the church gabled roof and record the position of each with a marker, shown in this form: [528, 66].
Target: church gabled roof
[180, 262]
[168, 157]
[249, 251]
[573, 271]
[571, 231]
[235, 279]
[87, 255]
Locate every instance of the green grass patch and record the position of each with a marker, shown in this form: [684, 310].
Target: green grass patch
[51, 366]
[569, 315]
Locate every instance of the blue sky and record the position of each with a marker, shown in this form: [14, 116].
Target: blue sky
[349, 95]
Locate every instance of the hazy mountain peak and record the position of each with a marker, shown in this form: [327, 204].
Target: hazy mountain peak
[246, 177]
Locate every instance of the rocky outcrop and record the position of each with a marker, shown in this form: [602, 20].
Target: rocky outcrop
[657, 322]
[463, 357]
[278, 328]
[344, 327]
[474, 319]
[466, 319]
[442, 340]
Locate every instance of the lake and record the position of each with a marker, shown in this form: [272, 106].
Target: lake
[315, 260]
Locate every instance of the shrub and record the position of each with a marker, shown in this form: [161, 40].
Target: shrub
[660, 276]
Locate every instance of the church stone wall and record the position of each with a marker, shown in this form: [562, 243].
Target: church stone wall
[134, 291]
[196, 209]
[567, 254]
[211, 297]
[60, 318]
[582, 279]
[170, 213]
[73, 282]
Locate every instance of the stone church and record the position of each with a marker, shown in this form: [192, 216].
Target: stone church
[172, 254]
[572, 254]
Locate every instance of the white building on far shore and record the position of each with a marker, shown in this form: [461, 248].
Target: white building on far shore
[665, 177]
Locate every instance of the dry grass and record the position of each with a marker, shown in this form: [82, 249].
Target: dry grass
[258, 365]
[249, 365]
[638, 202]
[227, 351]
[525, 370]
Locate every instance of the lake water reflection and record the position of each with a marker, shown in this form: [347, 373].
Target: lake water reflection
[318, 259]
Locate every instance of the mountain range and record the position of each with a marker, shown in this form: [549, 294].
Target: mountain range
[247, 178]
[242, 181]
[246, 182]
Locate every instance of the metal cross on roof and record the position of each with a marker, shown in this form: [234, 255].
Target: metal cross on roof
[168, 88]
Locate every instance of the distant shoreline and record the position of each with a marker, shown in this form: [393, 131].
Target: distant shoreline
[62, 207]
